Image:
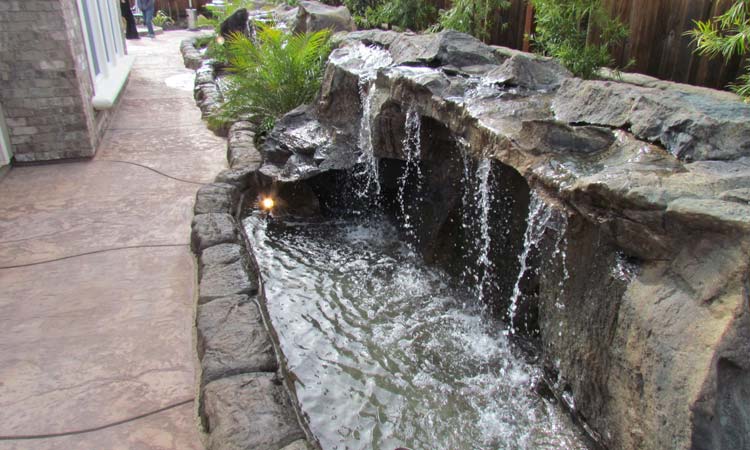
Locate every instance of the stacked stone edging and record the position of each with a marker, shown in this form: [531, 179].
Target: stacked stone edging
[190, 55]
[244, 399]
[206, 92]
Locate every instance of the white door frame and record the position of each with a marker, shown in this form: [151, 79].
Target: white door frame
[6, 152]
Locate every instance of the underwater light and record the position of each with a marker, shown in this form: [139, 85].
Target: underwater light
[267, 203]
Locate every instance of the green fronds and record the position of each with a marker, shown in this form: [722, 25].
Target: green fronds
[727, 35]
[273, 73]
[742, 86]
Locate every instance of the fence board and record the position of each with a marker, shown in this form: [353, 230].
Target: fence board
[657, 41]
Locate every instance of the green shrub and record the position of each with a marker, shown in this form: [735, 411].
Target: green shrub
[578, 32]
[727, 35]
[216, 46]
[414, 15]
[359, 7]
[218, 15]
[204, 41]
[273, 73]
[161, 18]
[476, 17]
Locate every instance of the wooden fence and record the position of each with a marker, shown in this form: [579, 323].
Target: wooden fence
[657, 42]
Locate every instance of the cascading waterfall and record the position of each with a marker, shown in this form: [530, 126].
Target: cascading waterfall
[412, 151]
[370, 60]
[369, 172]
[561, 246]
[485, 203]
[477, 206]
[536, 223]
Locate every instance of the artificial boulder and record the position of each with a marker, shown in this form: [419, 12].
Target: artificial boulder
[235, 23]
[249, 411]
[232, 339]
[692, 126]
[314, 16]
[640, 194]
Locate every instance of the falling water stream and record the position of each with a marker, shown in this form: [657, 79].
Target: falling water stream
[367, 61]
[536, 223]
[412, 173]
[485, 201]
[387, 353]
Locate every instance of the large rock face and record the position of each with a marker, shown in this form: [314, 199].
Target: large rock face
[642, 295]
[315, 16]
[236, 23]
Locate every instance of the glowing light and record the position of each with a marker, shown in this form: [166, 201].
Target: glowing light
[267, 203]
[220, 40]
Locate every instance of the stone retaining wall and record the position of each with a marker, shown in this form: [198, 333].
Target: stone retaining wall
[244, 401]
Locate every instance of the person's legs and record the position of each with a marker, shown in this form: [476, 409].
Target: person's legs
[148, 17]
[131, 28]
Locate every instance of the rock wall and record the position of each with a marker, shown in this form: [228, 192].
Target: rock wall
[642, 292]
[245, 399]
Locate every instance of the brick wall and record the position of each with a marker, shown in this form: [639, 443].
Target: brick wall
[45, 86]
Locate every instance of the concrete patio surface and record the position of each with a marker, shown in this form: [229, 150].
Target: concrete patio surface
[97, 280]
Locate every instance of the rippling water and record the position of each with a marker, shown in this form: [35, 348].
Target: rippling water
[386, 353]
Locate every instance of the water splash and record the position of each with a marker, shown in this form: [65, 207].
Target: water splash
[412, 145]
[384, 352]
[536, 223]
[625, 269]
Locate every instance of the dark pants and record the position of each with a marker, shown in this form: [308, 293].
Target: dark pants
[131, 31]
[148, 17]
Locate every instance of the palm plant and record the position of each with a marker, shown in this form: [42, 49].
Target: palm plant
[727, 35]
[273, 73]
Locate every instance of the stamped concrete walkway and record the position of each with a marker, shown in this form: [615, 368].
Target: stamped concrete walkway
[97, 279]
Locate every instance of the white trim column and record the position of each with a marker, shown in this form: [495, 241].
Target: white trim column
[6, 152]
[109, 62]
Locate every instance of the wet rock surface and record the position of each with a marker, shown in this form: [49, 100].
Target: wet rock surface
[249, 411]
[299, 147]
[232, 339]
[221, 280]
[644, 315]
